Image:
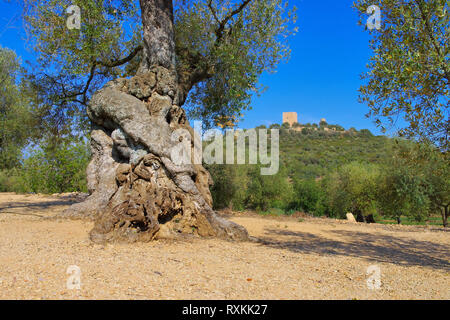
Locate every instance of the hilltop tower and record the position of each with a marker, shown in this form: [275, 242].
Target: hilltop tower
[290, 117]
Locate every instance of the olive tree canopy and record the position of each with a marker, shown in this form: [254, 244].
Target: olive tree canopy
[409, 72]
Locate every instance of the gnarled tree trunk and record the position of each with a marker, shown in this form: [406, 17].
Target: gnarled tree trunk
[136, 191]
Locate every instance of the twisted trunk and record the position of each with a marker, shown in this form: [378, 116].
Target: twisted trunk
[137, 192]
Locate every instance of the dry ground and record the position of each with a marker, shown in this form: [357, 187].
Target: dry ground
[309, 259]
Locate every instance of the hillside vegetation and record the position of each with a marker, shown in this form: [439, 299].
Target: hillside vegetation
[332, 172]
[322, 172]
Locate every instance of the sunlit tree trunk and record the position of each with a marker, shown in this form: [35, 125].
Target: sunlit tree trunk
[137, 192]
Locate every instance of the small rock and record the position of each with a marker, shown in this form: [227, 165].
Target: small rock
[350, 217]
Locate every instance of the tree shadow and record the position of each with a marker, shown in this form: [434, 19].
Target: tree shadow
[376, 247]
[7, 207]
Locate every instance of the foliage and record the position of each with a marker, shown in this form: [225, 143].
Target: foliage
[403, 193]
[232, 43]
[12, 180]
[409, 72]
[266, 192]
[433, 167]
[229, 189]
[308, 197]
[286, 125]
[274, 126]
[72, 64]
[243, 187]
[56, 168]
[251, 42]
[15, 116]
[352, 188]
[304, 158]
[312, 154]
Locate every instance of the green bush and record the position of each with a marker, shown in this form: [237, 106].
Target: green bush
[353, 188]
[307, 194]
[58, 168]
[12, 181]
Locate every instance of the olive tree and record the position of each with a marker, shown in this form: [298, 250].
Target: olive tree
[409, 72]
[133, 65]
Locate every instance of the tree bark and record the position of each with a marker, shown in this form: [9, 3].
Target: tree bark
[137, 192]
[445, 216]
[159, 44]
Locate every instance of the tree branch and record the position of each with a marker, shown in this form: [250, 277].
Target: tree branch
[122, 61]
[193, 70]
[88, 83]
[95, 64]
[223, 23]
[213, 11]
[196, 69]
[433, 39]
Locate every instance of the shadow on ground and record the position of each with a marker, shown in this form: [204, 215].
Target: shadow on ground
[29, 208]
[376, 247]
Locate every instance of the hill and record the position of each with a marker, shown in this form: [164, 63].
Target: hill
[313, 154]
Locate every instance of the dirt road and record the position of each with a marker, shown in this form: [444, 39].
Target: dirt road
[309, 259]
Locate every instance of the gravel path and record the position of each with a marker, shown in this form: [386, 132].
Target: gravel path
[311, 259]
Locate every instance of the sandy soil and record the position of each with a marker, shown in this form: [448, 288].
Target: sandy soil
[306, 259]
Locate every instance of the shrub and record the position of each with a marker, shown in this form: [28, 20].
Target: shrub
[58, 168]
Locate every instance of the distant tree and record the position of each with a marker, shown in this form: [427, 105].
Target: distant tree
[58, 167]
[16, 121]
[409, 72]
[275, 126]
[402, 192]
[438, 174]
[353, 188]
[433, 166]
[307, 194]
[265, 192]
[286, 125]
[365, 133]
[223, 190]
[296, 125]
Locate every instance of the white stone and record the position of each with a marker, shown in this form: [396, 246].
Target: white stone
[350, 217]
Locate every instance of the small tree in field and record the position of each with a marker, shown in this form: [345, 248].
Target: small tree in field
[15, 116]
[353, 188]
[433, 167]
[403, 193]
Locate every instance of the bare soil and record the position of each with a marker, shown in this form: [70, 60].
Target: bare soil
[294, 258]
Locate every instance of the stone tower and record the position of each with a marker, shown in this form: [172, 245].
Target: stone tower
[290, 117]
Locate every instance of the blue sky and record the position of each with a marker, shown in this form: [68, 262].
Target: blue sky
[321, 79]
